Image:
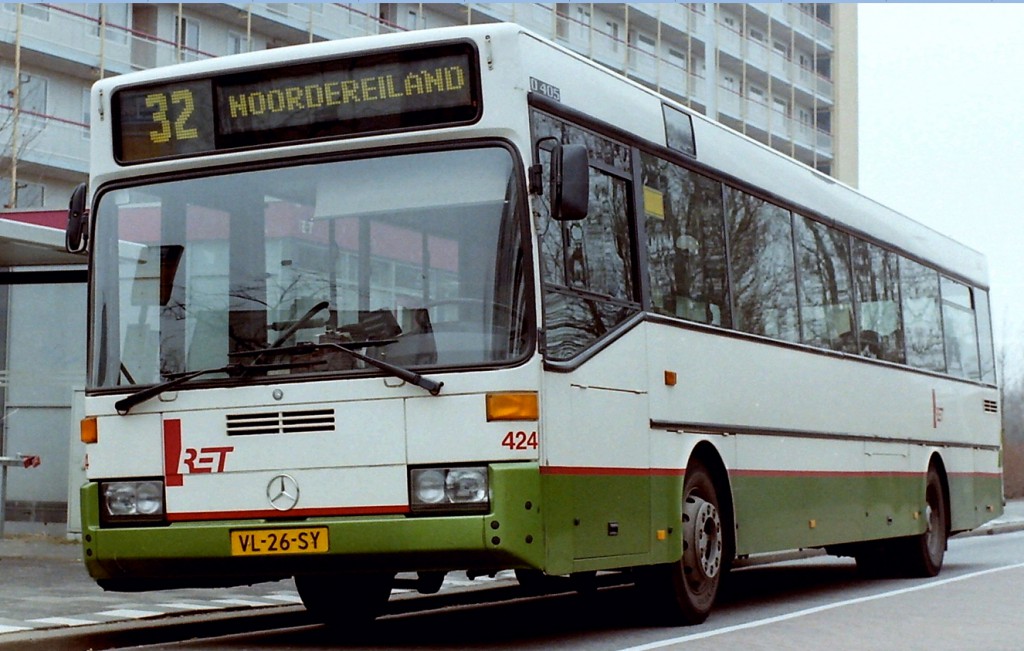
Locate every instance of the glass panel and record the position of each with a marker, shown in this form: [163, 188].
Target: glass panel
[876, 275]
[685, 243]
[763, 273]
[679, 130]
[826, 304]
[919, 290]
[986, 348]
[960, 330]
[587, 265]
[379, 251]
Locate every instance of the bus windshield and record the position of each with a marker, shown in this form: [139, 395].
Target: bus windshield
[414, 258]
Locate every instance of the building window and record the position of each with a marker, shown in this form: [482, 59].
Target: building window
[237, 43]
[613, 33]
[756, 93]
[582, 21]
[86, 114]
[37, 11]
[677, 58]
[186, 35]
[781, 48]
[32, 92]
[756, 35]
[114, 15]
[30, 195]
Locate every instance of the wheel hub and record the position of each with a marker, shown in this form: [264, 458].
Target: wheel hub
[703, 531]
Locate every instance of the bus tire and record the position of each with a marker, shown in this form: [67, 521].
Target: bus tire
[345, 599]
[684, 592]
[922, 555]
[918, 556]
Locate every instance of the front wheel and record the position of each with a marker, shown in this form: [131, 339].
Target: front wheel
[684, 591]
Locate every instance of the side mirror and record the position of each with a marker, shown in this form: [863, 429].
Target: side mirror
[76, 235]
[570, 182]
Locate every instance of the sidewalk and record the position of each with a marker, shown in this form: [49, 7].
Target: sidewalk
[44, 585]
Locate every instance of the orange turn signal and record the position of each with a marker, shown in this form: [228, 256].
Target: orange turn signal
[90, 432]
[512, 406]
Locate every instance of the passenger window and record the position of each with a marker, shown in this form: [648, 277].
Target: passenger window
[763, 276]
[685, 243]
[826, 305]
[877, 287]
[922, 323]
[987, 355]
[959, 330]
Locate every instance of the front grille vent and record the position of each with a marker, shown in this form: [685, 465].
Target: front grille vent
[281, 422]
[991, 406]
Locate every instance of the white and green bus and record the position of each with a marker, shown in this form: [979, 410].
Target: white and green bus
[460, 299]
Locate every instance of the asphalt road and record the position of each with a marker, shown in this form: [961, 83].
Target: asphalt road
[816, 603]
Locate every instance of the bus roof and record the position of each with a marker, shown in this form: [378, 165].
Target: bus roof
[587, 87]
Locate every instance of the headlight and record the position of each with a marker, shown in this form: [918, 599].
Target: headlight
[449, 489]
[132, 501]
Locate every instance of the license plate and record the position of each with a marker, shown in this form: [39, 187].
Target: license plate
[263, 542]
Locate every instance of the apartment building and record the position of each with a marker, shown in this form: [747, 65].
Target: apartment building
[783, 74]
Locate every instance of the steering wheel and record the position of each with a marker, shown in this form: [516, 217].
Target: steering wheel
[299, 323]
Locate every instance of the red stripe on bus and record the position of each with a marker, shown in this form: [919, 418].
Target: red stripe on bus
[172, 452]
[271, 513]
[606, 472]
[825, 474]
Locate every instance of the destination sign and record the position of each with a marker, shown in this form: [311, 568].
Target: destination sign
[394, 91]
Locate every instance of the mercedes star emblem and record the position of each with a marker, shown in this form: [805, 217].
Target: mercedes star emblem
[283, 492]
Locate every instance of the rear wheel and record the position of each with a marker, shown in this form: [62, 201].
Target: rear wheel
[684, 592]
[913, 556]
[345, 599]
[922, 555]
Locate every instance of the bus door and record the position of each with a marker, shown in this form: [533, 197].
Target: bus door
[597, 450]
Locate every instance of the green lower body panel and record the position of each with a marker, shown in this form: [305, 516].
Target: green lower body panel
[200, 553]
[779, 511]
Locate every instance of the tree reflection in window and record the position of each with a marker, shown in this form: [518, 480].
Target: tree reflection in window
[763, 275]
[685, 243]
[922, 322]
[876, 278]
[586, 265]
[826, 305]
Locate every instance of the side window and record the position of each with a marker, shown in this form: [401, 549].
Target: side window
[960, 331]
[685, 243]
[826, 304]
[877, 287]
[763, 275]
[586, 265]
[987, 354]
[922, 323]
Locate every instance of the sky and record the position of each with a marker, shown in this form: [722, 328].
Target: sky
[942, 135]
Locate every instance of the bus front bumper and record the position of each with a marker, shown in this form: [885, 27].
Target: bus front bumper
[200, 554]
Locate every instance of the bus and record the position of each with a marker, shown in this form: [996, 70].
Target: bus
[462, 300]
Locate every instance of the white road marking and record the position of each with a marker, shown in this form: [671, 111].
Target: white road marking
[818, 609]
[63, 621]
[4, 628]
[129, 613]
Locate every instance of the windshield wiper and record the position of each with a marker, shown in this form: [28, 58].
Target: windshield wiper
[433, 387]
[124, 405]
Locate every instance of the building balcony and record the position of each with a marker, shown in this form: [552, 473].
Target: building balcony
[48, 141]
